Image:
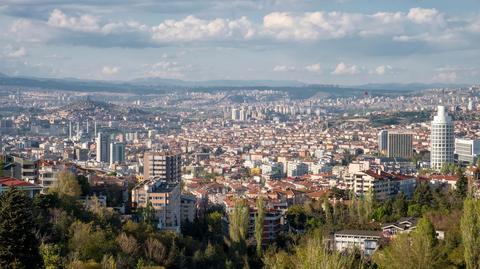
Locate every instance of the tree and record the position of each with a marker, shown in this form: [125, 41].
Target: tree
[1, 167]
[67, 185]
[461, 187]
[470, 227]
[415, 250]
[128, 244]
[238, 224]
[259, 219]
[18, 245]
[148, 214]
[51, 256]
[86, 242]
[155, 250]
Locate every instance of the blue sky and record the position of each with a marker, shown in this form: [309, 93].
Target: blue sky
[321, 41]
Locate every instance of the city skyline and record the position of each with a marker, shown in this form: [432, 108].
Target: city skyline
[326, 42]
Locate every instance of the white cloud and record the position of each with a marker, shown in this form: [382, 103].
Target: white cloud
[426, 16]
[309, 26]
[446, 77]
[110, 70]
[167, 69]
[16, 53]
[192, 28]
[283, 68]
[346, 69]
[314, 68]
[382, 70]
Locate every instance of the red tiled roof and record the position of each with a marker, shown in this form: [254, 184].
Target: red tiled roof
[12, 182]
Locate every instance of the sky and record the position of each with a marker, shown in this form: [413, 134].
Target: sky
[315, 41]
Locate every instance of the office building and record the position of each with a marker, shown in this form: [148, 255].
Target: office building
[441, 139]
[103, 148]
[467, 150]
[81, 154]
[162, 165]
[383, 141]
[400, 145]
[117, 152]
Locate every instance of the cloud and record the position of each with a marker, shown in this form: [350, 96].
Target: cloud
[446, 77]
[167, 69]
[110, 70]
[426, 16]
[314, 68]
[345, 69]
[16, 53]
[283, 68]
[309, 26]
[382, 70]
[192, 28]
[415, 25]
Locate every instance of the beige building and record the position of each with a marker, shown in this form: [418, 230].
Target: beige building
[165, 198]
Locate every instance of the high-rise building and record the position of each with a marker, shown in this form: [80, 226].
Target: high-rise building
[383, 141]
[467, 150]
[162, 165]
[441, 139]
[103, 147]
[117, 152]
[400, 145]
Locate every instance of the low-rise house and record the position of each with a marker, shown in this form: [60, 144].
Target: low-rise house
[365, 241]
[29, 188]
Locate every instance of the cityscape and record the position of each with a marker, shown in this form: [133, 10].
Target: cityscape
[192, 134]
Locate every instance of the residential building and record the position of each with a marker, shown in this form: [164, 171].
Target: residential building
[296, 169]
[29, 188]
[162, 165]
[165, 199]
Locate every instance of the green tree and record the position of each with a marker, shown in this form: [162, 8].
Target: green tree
[259, 219]
[238, 224]
[461, 187]
[148, 214]
[67, 185]
[1, 167]
[470, 227]
[415, 250]
[19, 248]
[51, 256]
[86, 242]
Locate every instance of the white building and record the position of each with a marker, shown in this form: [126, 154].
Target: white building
[441, 139]
[365, 241]
[297, 169]
[467, 150]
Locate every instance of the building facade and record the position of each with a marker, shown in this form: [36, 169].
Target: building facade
[117, 152]
[103, 148]
[400, 145]
[441, 140]
[162, 165]
[382, 141]
[467, 150]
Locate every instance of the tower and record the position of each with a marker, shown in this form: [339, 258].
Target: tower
[441, 139]
[103, 148]
[382, 141]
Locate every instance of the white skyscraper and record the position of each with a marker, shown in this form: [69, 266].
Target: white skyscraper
[383, 141]
[441, 139]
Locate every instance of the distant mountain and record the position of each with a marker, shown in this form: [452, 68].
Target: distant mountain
[217, 83]
[3, 75]
[406, 86]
